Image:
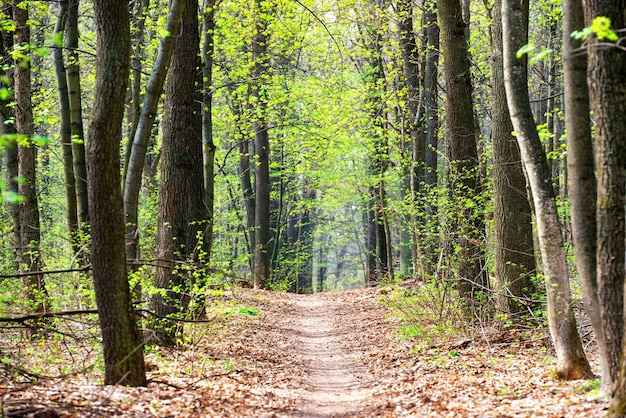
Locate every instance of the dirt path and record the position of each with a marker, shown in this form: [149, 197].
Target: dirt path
[334, 384]
[267, 354]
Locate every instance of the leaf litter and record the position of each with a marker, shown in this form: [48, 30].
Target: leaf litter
[269, 354]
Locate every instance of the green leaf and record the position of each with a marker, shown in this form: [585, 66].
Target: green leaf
[12, 197]
[601, 27]
[526, 49]
[5, 93]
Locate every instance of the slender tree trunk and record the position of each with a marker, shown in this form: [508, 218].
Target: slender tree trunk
[431, 115]
[512, 224]
[8, 113]
[123, 352]
[572, 363]
[139, 149]
[260, 70]
[582, 189]
[138, 21]
[208, 146]
[431, 94]
[30, 233]
[65, 131]
[369, 220]
[248, 195]
[413, 146]
[76, 114]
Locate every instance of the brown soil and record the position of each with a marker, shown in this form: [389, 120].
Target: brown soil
[324, 355]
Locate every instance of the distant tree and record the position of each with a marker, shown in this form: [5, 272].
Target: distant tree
[29, 225]
[8, 114]
[413, 146]
[262, 184]
[123, 348]
[74, 92]
[65, 131]
[379, 260]
[208, 144]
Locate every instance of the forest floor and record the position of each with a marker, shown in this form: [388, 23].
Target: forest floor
[267, 354]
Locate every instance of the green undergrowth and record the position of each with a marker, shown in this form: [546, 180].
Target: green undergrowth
[225, 304]
[429, 313]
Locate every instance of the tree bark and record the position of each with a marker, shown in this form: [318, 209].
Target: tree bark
[413, 147]
[181, 212]
[8, 113]
[30, 233]
[260, 70]
[606, 79]
[582, 189]
[76, 114]
[572, 363]
[208, 145]
[65, 131]
[464, 176]
[512, 216]
[123, 352]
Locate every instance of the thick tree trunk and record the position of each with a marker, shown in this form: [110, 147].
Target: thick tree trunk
[181, 193]
[572, 363]
[512, 217]
[139, 149]
[123, 352]
[464, 176]
[606, 78]
[582, 189]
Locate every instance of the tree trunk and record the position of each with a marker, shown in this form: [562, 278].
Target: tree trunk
[572, 363]
[413, 146]
[30, 238]
[208, 146]
[65, 132]
[139, 149]
[76, 114]
[369, 220]
[512, 217]
[429, 233]
[248, 195]
[138, 22]
[464, 176]
[606, 78]
[123, 352]
[8, 113]
[582, 189]
[260, 70]
[181, 193]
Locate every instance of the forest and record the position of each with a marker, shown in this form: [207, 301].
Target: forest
[198, 197]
